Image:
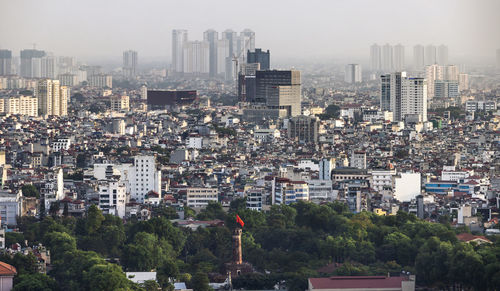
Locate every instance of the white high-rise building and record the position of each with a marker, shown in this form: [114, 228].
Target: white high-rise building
[418, 57]
[211, 36]
[22, 105]
[179, 38]
[387, 58]
[222, 56]
[435, 73]
[196, 57]
[353, 73]
[399, 57]
[442, 55]
[120, 103]
[112, 197]
[430, 55]
[404, 96]
[129, 63]
[101, 81]
[231, 37]
[375, 58]
[52, 98]
[48, 67]
[325, 168]
[144, 92]
[358, 160]
[463, 82]
[140, 177]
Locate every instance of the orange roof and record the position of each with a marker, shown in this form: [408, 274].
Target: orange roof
[7, 270]
[467, 237]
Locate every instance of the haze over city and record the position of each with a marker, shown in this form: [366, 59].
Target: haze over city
[302, 30]
[220, 145]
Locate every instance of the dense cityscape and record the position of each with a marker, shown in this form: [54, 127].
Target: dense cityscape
[223, 169]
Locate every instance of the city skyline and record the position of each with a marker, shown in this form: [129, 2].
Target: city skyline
[326, 30]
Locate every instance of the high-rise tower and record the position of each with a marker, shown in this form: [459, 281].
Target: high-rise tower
[129, 63]
[179, 38]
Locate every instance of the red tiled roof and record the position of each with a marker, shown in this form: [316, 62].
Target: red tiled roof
[7, 270]
[358, 282]
[466, 237]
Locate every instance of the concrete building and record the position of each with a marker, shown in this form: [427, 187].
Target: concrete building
[52, 98]
[285, 191]
[5, 62]
[279, 90]
[446, 89]
[129, 63]
[22, 105]
[320, 190]
[259, 57]
[140, 177]
[196, 57]
[387, 58]
[255, 199]
[375, 58]
[120, 103]
[399, 58]
[10, 207]
[68, 79]
[7, 273]
[382, 179]
[200, 197]
[404, 96]
[473, 106]
[211, 36]
[326, 165]
[442, 55]
[418, 57]
[112, 197]
[179, 38]
[353, 73]
[407, 186]
[430, 55]
[101, 81]
[30, 62]
[303, 128]
[358, 160]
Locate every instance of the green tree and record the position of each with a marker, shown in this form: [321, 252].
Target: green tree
[94, 219]
[34, 282]
[200, 281]
[30, 190]
[106, 277]
[59, 243]
[166, 271]
[14, 237]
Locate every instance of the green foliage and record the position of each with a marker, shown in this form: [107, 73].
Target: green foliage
[200, 281]
[331, 112]
[34, 282]
[30, 190]
[14, 237]
[212, 211]
[106, 277]
[25, 264]
[288, 244]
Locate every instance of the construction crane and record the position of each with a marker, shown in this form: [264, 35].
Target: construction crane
[236, 58]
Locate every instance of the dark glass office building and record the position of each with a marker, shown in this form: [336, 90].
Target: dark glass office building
[261, 57]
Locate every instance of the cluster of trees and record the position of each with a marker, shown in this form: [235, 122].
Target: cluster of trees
[288, 244]
[331, 112]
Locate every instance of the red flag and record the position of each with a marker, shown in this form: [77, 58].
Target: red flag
[238, 220]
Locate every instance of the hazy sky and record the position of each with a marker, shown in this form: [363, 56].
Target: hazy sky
[299, 29]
